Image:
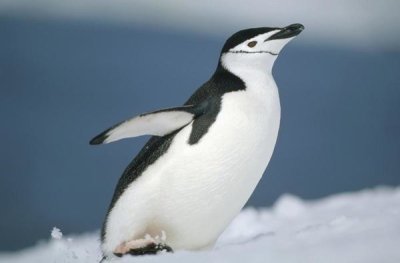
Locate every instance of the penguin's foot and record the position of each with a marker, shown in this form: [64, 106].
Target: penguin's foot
[150, 249]
[133, 244]
[141, 247]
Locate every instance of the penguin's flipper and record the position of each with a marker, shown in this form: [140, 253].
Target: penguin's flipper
[159, 123]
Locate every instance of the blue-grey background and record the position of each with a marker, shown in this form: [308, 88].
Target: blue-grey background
[62, 81]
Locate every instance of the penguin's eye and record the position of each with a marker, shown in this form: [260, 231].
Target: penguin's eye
[252, 43]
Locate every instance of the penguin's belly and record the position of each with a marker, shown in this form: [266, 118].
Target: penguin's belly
[192, 192]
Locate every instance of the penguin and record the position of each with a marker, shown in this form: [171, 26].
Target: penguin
[204, 158]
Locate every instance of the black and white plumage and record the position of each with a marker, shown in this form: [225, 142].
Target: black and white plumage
[205, 158]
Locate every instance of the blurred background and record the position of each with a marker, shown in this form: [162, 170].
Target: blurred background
[70, 69]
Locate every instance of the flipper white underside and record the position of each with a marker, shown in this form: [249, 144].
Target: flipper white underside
[158, 123]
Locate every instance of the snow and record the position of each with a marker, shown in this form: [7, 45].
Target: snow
[352, 227]
[357, 23]
[56, 233]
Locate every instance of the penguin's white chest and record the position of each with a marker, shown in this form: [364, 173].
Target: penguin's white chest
[192, 192]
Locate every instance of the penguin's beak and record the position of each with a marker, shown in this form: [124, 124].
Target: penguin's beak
[287, 32]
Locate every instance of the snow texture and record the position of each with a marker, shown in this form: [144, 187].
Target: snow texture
[352, 227]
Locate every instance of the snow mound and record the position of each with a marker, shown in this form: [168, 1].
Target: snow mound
[352, 227]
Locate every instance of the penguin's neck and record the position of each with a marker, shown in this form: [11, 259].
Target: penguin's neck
[253, 69]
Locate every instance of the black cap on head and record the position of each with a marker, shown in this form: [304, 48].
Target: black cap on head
[243, 35]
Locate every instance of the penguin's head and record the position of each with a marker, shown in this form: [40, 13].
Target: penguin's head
[256, 47]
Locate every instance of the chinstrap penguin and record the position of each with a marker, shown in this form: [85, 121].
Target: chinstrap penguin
[205, 158]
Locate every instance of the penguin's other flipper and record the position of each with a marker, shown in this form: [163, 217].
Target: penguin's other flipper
[159, 123]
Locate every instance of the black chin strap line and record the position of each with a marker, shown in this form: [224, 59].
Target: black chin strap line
[253, 52]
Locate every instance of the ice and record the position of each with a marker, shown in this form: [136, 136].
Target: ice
[352, 227]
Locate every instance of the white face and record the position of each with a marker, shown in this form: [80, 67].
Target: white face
[254, 53]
